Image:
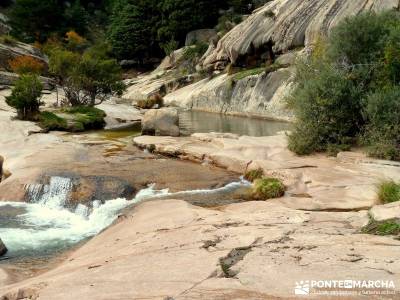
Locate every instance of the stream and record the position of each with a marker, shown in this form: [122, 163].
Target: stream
[48, 224]
[198, 121]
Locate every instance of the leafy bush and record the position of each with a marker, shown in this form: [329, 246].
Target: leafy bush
[195, 51]
[25, 97]
[346, 91]
[388, 192]
[267, 188]
[26, 65]
[327, 106]
[382, 135]
[87, 79]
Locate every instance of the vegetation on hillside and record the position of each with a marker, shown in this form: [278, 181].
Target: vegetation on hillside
[348, 90]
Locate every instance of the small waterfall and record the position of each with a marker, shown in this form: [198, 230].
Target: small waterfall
[55, 194]
[46, 224]
[82, 210]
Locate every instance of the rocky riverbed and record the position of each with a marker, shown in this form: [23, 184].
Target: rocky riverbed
[207, 241]
[257, 250]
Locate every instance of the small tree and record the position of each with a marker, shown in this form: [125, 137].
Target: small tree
[87, 79]
[25, 96]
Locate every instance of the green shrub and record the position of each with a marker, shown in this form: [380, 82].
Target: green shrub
[388, 192]
[8, 40]
[25, 97]
[87, 79]
[252, 175]
[195, 51]
[327, 106]
[390, 227]
[382, 136]
[267, 188]
[347, 90]
[51, 121]
[361, 39]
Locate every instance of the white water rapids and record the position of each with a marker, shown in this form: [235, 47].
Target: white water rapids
[47, 224]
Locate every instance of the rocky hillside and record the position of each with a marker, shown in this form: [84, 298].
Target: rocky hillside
[274, 35]
[288, 24]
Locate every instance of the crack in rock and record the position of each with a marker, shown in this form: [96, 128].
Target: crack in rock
[233, 257]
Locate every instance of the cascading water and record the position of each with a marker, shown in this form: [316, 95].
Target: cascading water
[47, 224]
[55, 194]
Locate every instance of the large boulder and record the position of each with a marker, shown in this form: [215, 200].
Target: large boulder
[200, 36]
[161, 122]
[15, 49]
[7, 78]
[3, 248]
[259, 95]
[385, 212]
[287, 24]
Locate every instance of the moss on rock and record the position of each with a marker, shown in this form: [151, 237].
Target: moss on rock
[74, 119]
[267, 188]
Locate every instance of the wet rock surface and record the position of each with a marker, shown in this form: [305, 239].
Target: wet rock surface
[315, 183]
[253, 250]
[3, 248]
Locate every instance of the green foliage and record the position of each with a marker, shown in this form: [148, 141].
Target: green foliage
[8, 40]
[361, 39]
[195, 51]
[267, 188]
[382, 112]
[62, 62]
[180, 17]
[254, 174]
[132, 32]
[51, 121]
[246, 73]
[76, 17]
[390, 227]
[89, 117]
[389, 191]
[347, 89]
[170, 46]
[34, 20]
[87, 79]
[327, 107]
[25, 96]
[140, 29]
[73, 119]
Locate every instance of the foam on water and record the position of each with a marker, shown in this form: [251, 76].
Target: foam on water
[46, 223]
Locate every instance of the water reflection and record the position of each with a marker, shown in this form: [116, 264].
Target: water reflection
[196, 121]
